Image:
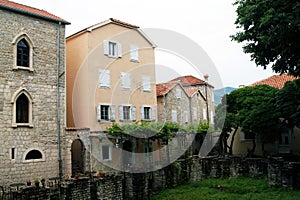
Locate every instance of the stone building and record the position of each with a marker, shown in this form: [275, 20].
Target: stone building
[185, 100]
[32, 92]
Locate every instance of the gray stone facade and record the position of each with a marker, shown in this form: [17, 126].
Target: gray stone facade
[39, 83]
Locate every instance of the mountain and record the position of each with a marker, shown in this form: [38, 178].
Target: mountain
[219, 93]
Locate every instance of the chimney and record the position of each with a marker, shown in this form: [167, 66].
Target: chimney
[206, 77]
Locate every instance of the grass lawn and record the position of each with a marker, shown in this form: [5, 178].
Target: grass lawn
[241, 188]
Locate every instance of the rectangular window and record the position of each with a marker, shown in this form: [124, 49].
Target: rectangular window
[146, 83]
[147, 113]
[126, 112]
[204, 114]
[178, 93]
[106, 152]
[104, 78]
[125, 80]
[186, 117]
[195, 115]
[105, 112]
[174, 116]
[134, 53]
[13, 153]
[112, 49]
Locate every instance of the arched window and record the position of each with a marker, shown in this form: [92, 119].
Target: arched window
[23, 55]
[23, 52]
[22, 109]
[33, 154]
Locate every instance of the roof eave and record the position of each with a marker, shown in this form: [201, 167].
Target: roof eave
[34, 15]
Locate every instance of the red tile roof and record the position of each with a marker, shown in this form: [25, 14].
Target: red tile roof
[123, 23]
[276, 81]
[164, 88]
[189, 80]
[27, 10]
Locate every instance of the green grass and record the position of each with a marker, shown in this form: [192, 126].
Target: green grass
[241, 188]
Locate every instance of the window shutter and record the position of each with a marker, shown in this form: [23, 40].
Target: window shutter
[174, 116]
[146, 83]
[204, 114]
[133, 113]
[104, 78]
[121, 115]
[105, 47]
[134, 53]
[125, 80]
[153, 113]
[99, 112]
[119, 49]
[112, 113]
[142, 113]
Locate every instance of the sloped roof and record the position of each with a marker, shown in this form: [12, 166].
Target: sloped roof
[164, 88]
[27, 10]
[189, 80]
[276, 81]
[113, 21]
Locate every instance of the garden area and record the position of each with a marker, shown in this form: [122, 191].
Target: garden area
[241, 188]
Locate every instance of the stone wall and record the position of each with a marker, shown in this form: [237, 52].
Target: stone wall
[41, 85]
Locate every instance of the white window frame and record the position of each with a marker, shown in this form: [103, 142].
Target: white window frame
[186, 117]
[125, 80]
[132, 113]
[152, 113]
[117, 49]
[204, 114]
[34, 160]
[111, 113]
[104, 78]
[109, 152]
[134, 53]
[146, 81]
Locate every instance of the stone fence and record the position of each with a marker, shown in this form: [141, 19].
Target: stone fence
[142, 185]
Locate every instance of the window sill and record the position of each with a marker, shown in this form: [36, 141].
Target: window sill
[34, 160]
[147, 91]
[134, 60]
[23, 68]
[15, 125]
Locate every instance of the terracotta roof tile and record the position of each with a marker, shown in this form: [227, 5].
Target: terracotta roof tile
[164, 88]
[123, 23]
[276, 81]
[188, 80]
[30, 11]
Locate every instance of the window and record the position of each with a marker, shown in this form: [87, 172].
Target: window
[22, 108]
[13, 153]
[106, 152]
[104, 78]
[112, 49]
[148, 113]
[127, 113]
[134, 53]
[204, 114]
[174, 116]
[246, 136]
[212, 120]
[23, 53]
[125, 80]
[146, 83]
[195, 113]
[33, 155]
[105, 112]
[186, 117]
[178, 93]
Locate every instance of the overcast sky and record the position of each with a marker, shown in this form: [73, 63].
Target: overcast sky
[209, 23]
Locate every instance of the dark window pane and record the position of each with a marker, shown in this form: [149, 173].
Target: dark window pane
[23, 53]
[105, 112]
[22, 109]
[33, 154]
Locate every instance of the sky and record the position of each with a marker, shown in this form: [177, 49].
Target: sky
[207, 23]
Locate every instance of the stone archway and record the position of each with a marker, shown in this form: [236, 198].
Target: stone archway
[77, 156]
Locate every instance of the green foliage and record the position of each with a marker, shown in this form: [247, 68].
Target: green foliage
[270, 30]
[228, 189]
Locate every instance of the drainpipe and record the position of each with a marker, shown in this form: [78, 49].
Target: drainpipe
[58, 101]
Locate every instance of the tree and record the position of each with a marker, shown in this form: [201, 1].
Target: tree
[253, 110]
[271, 31]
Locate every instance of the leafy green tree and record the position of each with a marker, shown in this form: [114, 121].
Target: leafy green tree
[271, 31]
[288, 103]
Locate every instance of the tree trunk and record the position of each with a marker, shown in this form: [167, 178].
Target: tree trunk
[232, 140]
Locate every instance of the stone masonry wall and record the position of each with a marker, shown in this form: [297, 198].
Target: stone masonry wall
[41, 84]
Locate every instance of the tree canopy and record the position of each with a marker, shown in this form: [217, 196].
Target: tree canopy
[271, 31]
